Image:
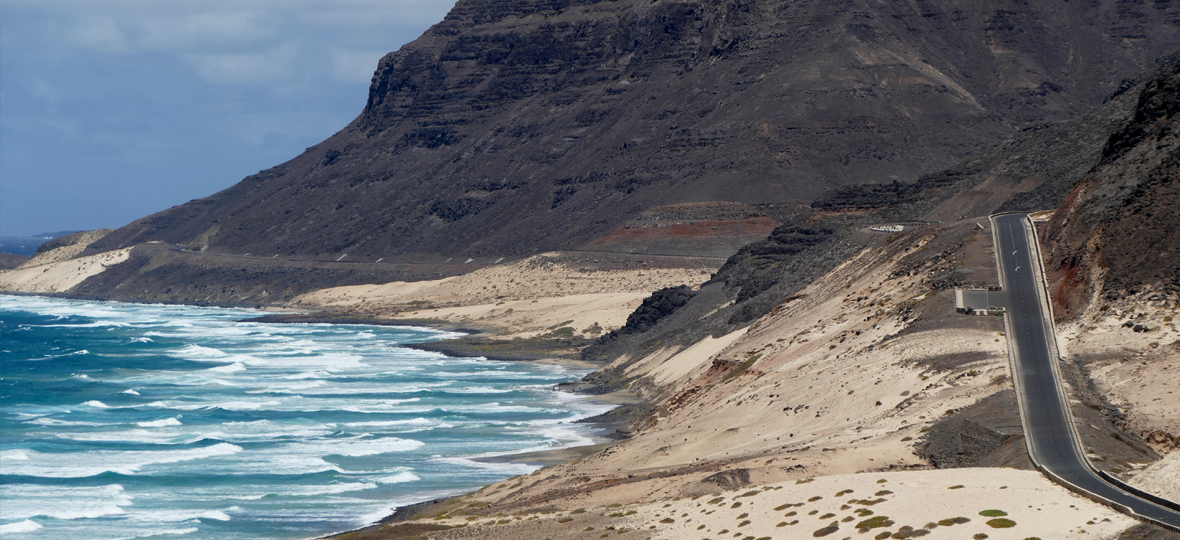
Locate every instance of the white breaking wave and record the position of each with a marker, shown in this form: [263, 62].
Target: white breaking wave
[96, 324]
[370, 447]
[160, 423]
[393, 423]
[23, 501]
[504, 469]
[399, 478]
[279, 378]
[63, 423]
[14, 455]
[193, 351]
[66, 355]
[328, 489]
[478, 390]
[177, 516]
[25, 526]
[234, 432]
[161, 532]
[84, 464]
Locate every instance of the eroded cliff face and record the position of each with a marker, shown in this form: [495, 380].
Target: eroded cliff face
[1118, 232]
[515, 127]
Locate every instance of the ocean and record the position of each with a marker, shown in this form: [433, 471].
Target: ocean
[159, 421]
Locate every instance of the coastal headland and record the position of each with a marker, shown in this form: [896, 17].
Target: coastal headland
[750, 221]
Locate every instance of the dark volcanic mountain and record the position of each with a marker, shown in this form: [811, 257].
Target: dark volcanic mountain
[516, 127]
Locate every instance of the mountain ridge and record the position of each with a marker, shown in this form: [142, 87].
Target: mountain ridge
[513, 128]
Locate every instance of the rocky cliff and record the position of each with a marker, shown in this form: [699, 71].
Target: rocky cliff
[1118, 232]
[514, 127]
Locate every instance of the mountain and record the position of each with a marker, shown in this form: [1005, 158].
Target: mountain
[517, 127]
[1118, 154]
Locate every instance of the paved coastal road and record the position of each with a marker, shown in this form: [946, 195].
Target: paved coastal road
[1050, 437]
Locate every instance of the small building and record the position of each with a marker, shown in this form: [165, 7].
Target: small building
[986, 301]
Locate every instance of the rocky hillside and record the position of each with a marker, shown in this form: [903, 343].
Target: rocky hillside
[515, 127]
[1118, 232]
[1035, 169]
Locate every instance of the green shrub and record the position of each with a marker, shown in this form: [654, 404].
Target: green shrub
[875, 522]
[953, 521]
[993, 513]
[1001, 523]
[910, 532]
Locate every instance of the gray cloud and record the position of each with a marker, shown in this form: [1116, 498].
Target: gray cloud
[271, 65]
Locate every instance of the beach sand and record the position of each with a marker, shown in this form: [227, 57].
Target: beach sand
[525, 299]
[944, 503]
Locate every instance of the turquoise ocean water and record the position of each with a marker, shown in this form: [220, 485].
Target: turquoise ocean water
[151, 421]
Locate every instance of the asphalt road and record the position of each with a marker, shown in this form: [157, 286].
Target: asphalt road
[1050, 437]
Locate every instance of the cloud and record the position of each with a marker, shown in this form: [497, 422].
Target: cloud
[354, 66]
[251, 68]
[384, 13]
[201, 92]
[101, 34]
[42, 90]
[219, 29]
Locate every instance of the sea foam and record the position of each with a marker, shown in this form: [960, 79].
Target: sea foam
[23, 501]
[25, 526]
[303, 424]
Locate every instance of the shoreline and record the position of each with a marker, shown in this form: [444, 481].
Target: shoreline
[609, 422]
[604, 427]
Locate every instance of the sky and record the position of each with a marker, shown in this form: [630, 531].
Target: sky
[111, 110]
